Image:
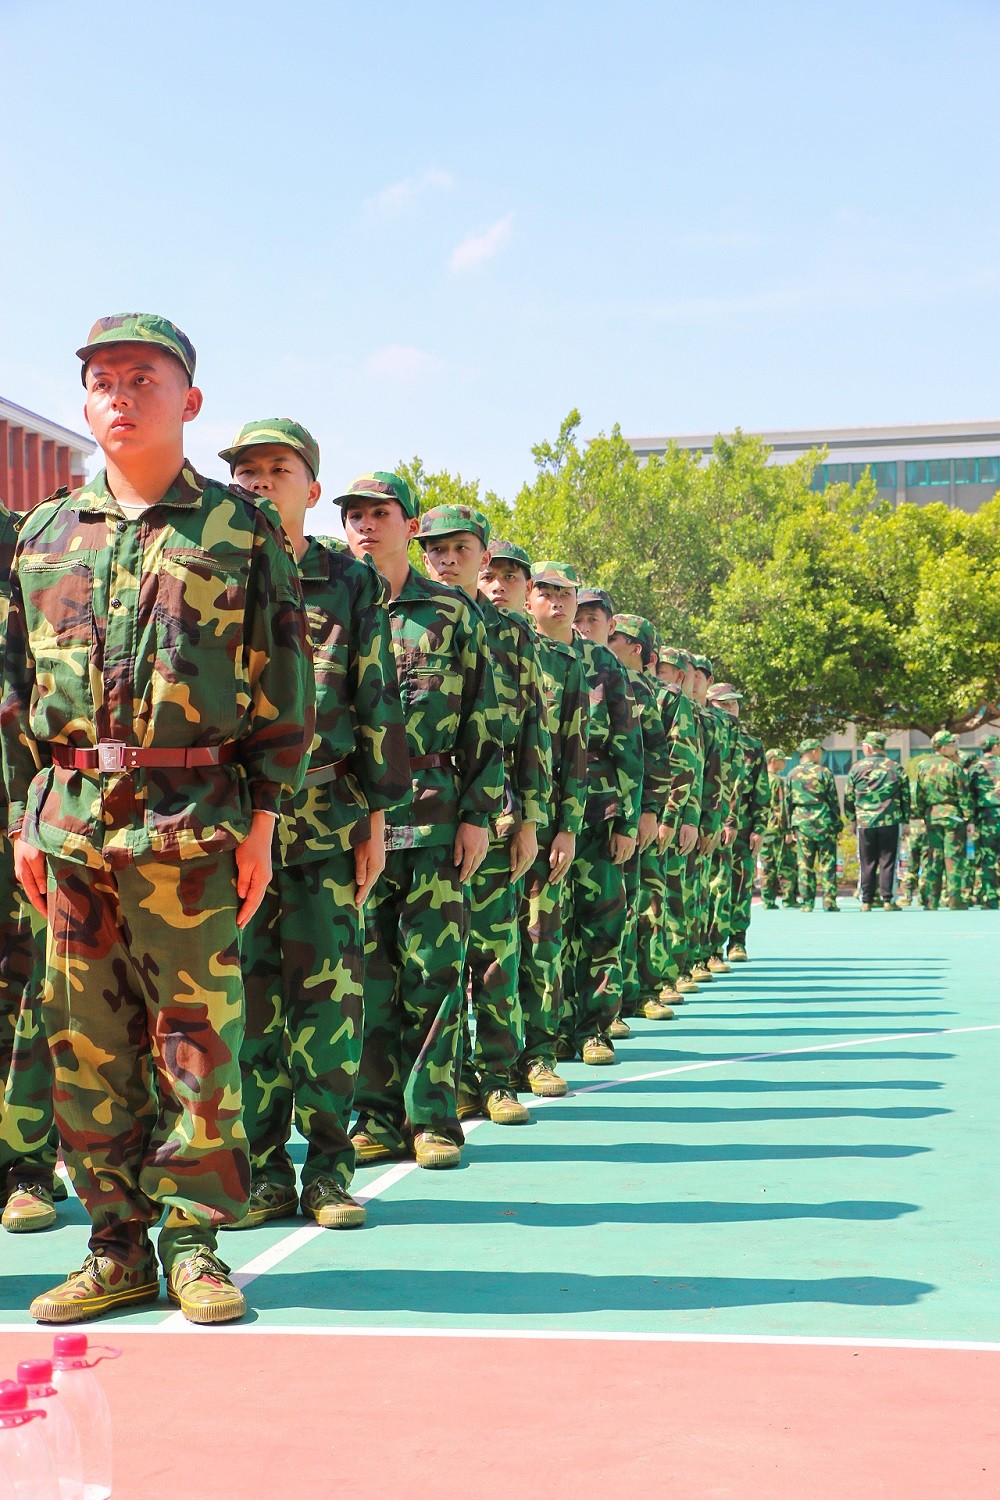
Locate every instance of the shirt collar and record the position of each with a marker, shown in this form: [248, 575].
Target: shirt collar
[185, 493]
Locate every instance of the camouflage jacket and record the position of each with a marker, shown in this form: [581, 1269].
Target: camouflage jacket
[813, 803]
[184, 627]
[358, 712]
[614, 742]
[942, 792]
[687, 760]
[655, 744]
[877, 793]
[984, 784]
[8, 537]
[527, 748]
[450, 709]
[714, 777]
[566, 708]
[778, 808]
[751, 800]
[730, 758]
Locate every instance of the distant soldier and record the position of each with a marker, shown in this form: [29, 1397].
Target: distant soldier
[968, 759]
[749, 808]
[943, 800]
[714, 928]
[877, 807]
[778, 869]
[985, 786]
[814, 809]
[679, 834]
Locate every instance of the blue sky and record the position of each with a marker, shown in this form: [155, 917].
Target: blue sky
[435, 227]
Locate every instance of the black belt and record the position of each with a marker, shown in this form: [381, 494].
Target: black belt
[108, 757]
[430, 762]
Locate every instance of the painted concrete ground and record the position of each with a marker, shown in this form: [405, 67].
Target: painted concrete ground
[689, 1277]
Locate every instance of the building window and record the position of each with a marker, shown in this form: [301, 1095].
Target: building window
[818, 481]
[988, 470]
[965, 471]
[927, 471]
[838, 761]
[838, 473]
[884, 475]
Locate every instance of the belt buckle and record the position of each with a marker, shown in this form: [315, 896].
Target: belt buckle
[110, 757]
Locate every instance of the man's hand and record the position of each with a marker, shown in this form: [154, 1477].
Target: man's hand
[622, 848]
[728, 834]
[29, 867]
[756, 839]
[561, 856]
[369, 859]
[687, 838]
[253, 866]
[523, 848]
[647, 829]
[471, 844]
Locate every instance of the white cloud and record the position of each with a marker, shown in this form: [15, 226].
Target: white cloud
[477, 248]
[401, 362]
[399, 195]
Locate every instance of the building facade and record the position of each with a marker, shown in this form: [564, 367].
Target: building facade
[37, 456]
[957, 463]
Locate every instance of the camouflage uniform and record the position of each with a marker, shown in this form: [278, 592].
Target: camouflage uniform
[543, 901]
[418, 919]
[180, 635]
[28, 1141]
[697, 866]
[942, 799]
[985, 788]
[778, 869]
[716, 913]
[815, 816]
[877, 798]
[596, 902]
[751, 805]
[661, 913]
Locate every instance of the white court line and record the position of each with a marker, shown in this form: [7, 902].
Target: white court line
[268, 1259]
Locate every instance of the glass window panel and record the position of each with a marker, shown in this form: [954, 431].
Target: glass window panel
[916, 472]
[939, 471]
[988, 470]
[896, 755]
[818, 481]
[965, 470]
[838, 473]
[838, 761]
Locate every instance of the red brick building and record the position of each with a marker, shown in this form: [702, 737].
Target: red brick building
[37, 456]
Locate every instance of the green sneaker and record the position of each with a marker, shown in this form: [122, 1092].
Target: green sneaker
[201, 1288]
[100, 1285]
[435, 1151]
[598, 1052]
[268, 1200]
[331, 1205]
[544, 1083]
[369, 1150]
[29, 1207]
[619, 1030]
[505, 1108]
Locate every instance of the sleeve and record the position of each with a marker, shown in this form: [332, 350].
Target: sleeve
[624, 749]
[21, 756]
[966, 805]
[282, 716]
[849, 808]
[656, 782]
[920, 797]
[761, 795]
[834, 801]
[685, 762]
[905, 810]
[712, 786]
[478, 743]
[572, 787]
[381, 760]
[533, 749]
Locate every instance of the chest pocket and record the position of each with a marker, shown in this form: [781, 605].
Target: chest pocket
[201, 596]
[58, 603]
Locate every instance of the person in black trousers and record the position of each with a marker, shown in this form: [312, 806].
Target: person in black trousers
[877, 806]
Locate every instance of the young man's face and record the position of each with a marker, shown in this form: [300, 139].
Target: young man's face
[550, 603]
[672, 676]
[455, 559]
[593, 624]
[379, 529]
[687, 681]
[777, 765]
[505, 584]
[731, 708]
[699, 685]
[274, 470]
[628, 652]
[138, 399]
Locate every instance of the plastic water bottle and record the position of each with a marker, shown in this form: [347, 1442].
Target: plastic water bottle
[80, 1391]
[24, 1453]
[63, 1440]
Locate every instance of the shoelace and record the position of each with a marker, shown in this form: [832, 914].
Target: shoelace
[36, 1189]
[204, 1265]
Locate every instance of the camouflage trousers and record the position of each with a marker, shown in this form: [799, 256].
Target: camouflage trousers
[144, 1011]
[676, 923]
[943, 862]
[697, 894]
[28, 1138]
[630, 938]
[744, 870]
[657, 965]
[595, 931]
[303, 971]
[491, 972]
[720, 898]
[417, 932]
[540, 976]
[779, 872]
[915, 861]
[988, 848]
[812, 851]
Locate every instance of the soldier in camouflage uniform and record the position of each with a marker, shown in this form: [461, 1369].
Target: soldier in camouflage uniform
[552, 605]
[28, 1142]
[158, 703]
[779, 873]
[877, 807]
[303, 953]
[633, 640]
[749, 807]
[418, 930]
[713, 849]
[943, 800]
[598, 904]
[816, 820]
[968, 760]
[985, 788]
[681, 830]
[454, 539]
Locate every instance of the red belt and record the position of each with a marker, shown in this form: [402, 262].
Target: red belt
[429, 762]
[333, 772]
[111, 756]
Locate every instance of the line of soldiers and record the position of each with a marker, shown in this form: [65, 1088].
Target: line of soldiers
[298, 833]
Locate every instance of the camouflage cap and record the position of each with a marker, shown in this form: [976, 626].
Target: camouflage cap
[138, 328]
[675, 656]
[564, 575]
[509, 552]
[944, 737]
[724, 692]
[595, 596]
[876, 738]
[703, 665]
[382, 485]
[274, 431]
[989, 741]
[636, 628]
[449, 520]
[808, 745]
[775, 755]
